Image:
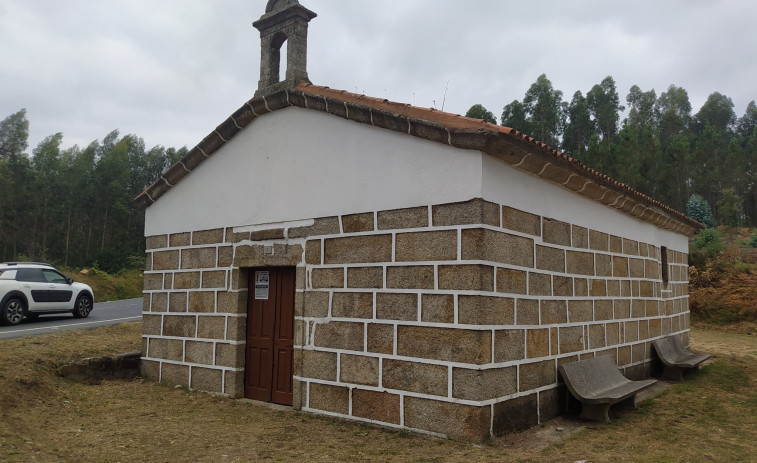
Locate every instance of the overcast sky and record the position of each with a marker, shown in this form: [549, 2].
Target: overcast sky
[169, 71]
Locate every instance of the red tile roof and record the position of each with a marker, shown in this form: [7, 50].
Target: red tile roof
[511, 146]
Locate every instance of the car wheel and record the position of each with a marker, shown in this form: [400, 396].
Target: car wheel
[12, 312]
[83, 306]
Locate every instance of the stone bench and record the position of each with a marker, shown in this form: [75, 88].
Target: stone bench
[676, 358]
[598, 384]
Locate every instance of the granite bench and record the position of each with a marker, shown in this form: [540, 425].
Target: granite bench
[598, 384]
[676, 358]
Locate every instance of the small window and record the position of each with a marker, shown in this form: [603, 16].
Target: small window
[664, 259]
[30, 274]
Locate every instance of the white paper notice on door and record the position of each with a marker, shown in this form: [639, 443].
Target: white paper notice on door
[261, 285]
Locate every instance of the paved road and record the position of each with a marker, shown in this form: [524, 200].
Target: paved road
[104, 313]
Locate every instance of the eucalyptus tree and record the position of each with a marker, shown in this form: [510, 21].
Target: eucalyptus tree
[747, 123]
[604, 106]
[478, 111]
[14, 135]
[641, 106]
[46, 163]
[544, 111]
[717, 112]
[579, 127]
[514, 116]
[639, 155]
[673, 113]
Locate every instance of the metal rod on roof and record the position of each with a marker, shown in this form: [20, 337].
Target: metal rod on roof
[444, 100]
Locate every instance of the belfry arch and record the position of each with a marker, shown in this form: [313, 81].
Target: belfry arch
[285, 22]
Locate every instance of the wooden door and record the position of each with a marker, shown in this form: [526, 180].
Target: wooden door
[270, 335]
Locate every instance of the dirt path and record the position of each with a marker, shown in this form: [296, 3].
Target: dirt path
[719, 343]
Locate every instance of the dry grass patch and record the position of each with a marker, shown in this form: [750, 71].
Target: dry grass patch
[710, 417]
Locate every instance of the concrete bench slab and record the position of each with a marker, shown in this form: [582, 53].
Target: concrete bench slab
[676, 358]
[598, 384]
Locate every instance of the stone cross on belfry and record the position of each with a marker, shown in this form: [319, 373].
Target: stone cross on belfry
[284, 21]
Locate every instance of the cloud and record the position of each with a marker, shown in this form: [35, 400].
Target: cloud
[171, 70]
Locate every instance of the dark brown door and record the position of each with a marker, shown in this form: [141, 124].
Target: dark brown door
[270, 335]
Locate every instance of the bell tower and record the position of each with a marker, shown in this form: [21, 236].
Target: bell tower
[284, 22]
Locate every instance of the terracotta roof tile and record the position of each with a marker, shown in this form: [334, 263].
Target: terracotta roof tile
[511, 146]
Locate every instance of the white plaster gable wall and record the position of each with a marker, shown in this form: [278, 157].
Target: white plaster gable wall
[504, 184]
[295, 164]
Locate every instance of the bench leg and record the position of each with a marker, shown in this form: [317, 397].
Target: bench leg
[672, 373]
[628, 404]
[595, 412]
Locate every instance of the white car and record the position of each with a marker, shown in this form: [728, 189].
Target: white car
[30, 289]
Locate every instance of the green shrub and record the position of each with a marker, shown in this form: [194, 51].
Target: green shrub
[743, 267]
[706, 245]
[753, 241]
[708, 240]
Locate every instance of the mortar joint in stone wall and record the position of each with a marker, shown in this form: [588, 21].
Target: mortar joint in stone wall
[568, 179]
[522, 160]
[252, 109]
[541, 172]
[235, 122]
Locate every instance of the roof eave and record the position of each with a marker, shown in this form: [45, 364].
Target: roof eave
[508, 145]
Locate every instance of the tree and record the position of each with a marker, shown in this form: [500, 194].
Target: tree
[579, 127]
[111, 178]
[699, 209]
[717, 112]
[544, 110]
[641, 163]
[707, 154]
[677, 154]
[14, 135]
[46, 165]
[641, 107]
[514, 116]
[730, 208]
[748, 121]
[604, 106]
[600, 156]
[673, 113]
[57, 204]
[477, 111]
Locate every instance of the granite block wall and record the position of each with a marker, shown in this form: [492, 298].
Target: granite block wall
[449, 319]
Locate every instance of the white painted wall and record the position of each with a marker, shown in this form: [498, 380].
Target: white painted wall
[505, 185]
[296, 164]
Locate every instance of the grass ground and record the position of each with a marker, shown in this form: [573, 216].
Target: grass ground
[710, 417]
